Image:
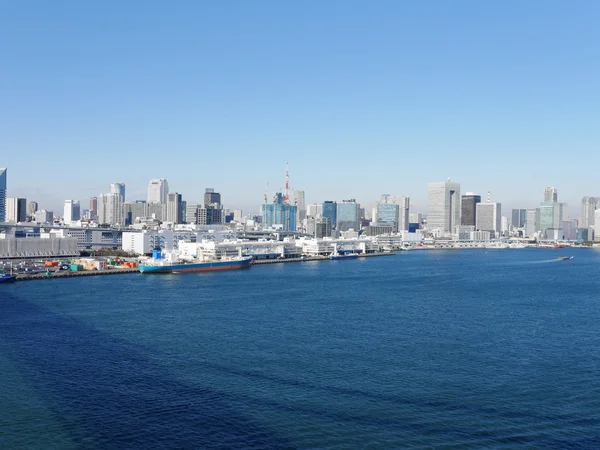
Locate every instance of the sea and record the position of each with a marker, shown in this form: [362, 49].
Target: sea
[423, 349]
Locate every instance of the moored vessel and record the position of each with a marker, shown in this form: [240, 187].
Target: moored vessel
[171, 263]
[6, 278]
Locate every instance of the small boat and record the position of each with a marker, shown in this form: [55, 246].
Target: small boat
[564, 258]
[5, 278]
[337, 255]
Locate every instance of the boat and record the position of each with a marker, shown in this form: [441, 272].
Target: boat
[6, 278]
[173, 264]
[564, 258]
[335, 255]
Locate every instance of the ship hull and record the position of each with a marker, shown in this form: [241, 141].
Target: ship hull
[338, 257]
[197, 267]
[7, 279]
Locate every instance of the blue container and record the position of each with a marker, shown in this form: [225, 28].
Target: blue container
[157, 253]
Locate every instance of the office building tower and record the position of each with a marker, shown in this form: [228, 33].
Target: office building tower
[550, 195]
[43, 216]
[174, 208]
[444, 207]
[32, 209]
[279, 214]
[301, 204]
[518, 218]
[488, 217]
[117, 188]
[468, 208]
[314, 210]
[2, 195]
[569, 230]
[589, 205]
[551, 215]
[237, 215]
[329, 211]
[94, 207]
[204, 215]
[388, 214]
[72, 211]
[322, 228]
[347, 215]
[212, 198]
[158, 189]
[16, 210]
[132, 211]
[110, 210]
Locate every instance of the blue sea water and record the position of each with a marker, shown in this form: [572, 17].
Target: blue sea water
[425, 349]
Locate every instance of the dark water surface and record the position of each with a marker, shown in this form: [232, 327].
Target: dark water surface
[463, 349]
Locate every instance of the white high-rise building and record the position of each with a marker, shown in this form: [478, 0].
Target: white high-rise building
[2, 195]
[314, 210]
[110, 209]
[550, 194]
[72, 212]
[16, 210]
[444, 204]
[488, 217]
[301, 204]
[117, 188]
[588, 210]
[158, 189]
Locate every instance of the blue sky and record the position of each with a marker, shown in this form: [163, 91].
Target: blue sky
[361, 98]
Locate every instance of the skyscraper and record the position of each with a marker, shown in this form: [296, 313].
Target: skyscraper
[444, 204]
[488, 217]
[158, 188]
[93, 207]
[469, 208]
[174, 213]
[110, 209]
[329, 211]
[588, 208]
[279, 213]
[301, 204]
[2, 195]
[16, 210]
[212, 198]
[388, 214]
[72, 212]
[117, 188]
[518, 217]
[550, 194]
[32, 208]
[348, 215]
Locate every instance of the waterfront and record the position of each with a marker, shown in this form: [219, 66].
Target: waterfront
[424, 349]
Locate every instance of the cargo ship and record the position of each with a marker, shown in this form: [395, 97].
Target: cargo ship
[171, 264]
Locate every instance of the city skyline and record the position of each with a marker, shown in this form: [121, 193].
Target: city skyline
[394, 94]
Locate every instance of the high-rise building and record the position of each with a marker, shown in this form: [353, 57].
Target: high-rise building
[348, 215]
[110, 210]
[550, 194]
[135, 210]
[94, 207]
[488, 217]
[158, 189]
[518, 218]
[16, 210]
[301, 204]
[32, 209]
[322, 228]
[532, 221]
[444, 204]
[237, 215]
[117, 188]
[588, 207]
[204, 215]
[2, 195]
[174, 213]
[279, 213]
[468, 208]
[551, 215]
[212, 198]
[314, 210]
[388, 214]
[329, 211]
[72, 212]
[43, 216]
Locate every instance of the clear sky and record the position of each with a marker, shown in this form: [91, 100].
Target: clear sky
[360, 97]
